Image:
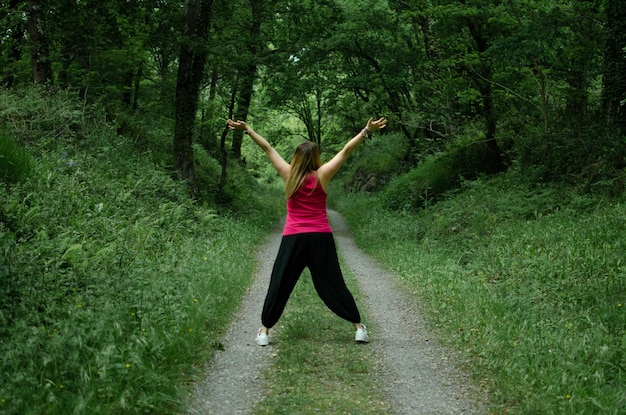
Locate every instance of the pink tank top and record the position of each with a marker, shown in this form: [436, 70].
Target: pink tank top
[306, 209]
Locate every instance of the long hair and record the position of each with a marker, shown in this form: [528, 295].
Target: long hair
[305, 160]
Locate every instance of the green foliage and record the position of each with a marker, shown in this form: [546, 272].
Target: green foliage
[14, 161]
[111, 277]
[570, 156]
[422, 185]
[376, 163]
[437, 175]
[38, 117]
[283, 132]
[527, 281]
[208, 172]
[519, 70]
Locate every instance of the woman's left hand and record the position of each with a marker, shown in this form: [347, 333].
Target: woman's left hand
[237, 125]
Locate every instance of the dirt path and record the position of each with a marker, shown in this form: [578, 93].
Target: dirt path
[419, 377]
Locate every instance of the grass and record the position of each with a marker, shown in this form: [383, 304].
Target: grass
[529, 283]
[14, 161]
[111, 277]
[317, 366]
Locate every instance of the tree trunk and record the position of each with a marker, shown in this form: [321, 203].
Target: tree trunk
[137, 87]
[614, 79]
[318, 129]
[39, 49]
[223, 152]
[494, 158]
[482, 80]
[14, 51]
[243, 106]
[127, 88]
[192, 60]
[248, 74]
[164, 74]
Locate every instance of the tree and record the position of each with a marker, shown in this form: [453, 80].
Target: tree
[248, 69]
[482, 24]
[614, 80]
[14, 34]
[192, 60]
[39, 43]
[163, 41]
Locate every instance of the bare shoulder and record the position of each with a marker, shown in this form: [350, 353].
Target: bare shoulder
[324, 177]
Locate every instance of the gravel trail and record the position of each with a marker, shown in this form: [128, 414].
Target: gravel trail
[419, 377]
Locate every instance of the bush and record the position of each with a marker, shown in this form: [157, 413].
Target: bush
[589, 158]
[422, 185]
[378, 161]
[208, 173]
[14, 160]
[439, 174]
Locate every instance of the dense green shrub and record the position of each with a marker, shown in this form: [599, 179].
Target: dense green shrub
[422, 185]
[438, 174]
[377, 162]
[14, 160]
[208, 172]
[589, 158]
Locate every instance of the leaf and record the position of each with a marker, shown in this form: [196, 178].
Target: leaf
[73, 254]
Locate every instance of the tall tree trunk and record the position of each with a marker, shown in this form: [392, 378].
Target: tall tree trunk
[193, 55]
[65, 61]
[137, 86]
[39, 47]
[248, 73]
[494, 158]
[614, 79]
[127, 88]
[304, 113]
[164, 74]
[15, 51]
[223, 152]
[482, 79]
[207, 134]
[318, 126]
[248, 76]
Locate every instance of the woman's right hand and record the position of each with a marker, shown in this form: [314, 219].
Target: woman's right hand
[373, 126]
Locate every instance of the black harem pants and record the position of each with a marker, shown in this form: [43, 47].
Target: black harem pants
[317, 252]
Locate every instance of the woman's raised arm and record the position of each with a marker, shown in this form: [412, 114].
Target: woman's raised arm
[328, 170]
[282, 167]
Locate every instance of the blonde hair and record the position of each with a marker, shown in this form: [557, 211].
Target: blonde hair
[306, 159]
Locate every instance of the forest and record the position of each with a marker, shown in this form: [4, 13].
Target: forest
[121, 187]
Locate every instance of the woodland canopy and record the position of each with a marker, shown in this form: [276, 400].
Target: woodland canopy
[489, 84]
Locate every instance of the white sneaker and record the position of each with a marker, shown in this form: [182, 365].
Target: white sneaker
[361, 335]
[262, 339]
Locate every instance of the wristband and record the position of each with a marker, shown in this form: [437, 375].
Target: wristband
[366, 133]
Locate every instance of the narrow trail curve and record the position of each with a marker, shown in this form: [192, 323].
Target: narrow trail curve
[417, 375]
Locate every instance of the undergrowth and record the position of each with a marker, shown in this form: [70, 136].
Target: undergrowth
[528, 282]
[114, 284]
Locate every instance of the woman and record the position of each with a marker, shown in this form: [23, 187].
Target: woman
[307, 236]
